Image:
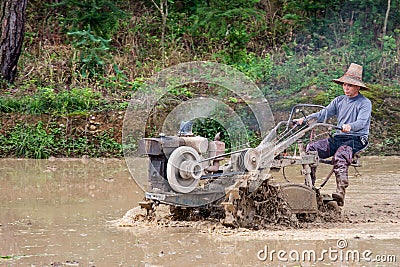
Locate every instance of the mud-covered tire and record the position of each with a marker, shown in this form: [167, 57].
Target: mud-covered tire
[333, 206]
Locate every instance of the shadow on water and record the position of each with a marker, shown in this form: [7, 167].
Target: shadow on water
[55, 212]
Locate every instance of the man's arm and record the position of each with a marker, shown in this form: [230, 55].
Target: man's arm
[328, 112]
[363, 117]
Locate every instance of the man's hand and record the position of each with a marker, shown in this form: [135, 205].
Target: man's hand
[298, 121]
[346, 128]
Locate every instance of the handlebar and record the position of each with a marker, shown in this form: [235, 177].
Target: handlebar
[321, 124]
[297, 108]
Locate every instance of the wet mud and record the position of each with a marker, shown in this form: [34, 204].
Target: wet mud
[371, 198]
[84, 212]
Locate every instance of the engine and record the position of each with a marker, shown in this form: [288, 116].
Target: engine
[177, 162]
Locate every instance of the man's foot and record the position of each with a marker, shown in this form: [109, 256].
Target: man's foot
[339, 198]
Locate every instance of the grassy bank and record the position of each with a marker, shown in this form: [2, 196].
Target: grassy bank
[76, 77]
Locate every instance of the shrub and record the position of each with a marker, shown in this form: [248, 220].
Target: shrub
[28, 142]
[47, 100]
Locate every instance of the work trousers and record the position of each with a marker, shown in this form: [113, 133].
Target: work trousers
[341, 148]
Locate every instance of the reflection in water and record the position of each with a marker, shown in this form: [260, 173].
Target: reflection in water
[54, 211]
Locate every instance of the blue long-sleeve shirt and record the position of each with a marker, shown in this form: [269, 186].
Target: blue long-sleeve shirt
[355, 111]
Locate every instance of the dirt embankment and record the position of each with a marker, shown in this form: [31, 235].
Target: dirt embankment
[73, 125]
[98, 134]
[384, 131]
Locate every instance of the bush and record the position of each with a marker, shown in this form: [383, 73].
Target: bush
[48, 101]
[9, 104]
[28, 142]
[39, 142]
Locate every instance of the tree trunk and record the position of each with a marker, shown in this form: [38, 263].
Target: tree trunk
[163, 8]
[386, 20]
[12, 23]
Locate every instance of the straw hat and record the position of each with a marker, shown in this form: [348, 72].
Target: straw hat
[352, 76]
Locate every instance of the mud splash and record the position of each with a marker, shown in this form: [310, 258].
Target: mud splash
[166, 216]
[372, 198]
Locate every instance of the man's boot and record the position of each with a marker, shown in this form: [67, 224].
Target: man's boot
[341, 185]
[341, 162]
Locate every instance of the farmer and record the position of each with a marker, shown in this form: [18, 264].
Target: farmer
[353, 113]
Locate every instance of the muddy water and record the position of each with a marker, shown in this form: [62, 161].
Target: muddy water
[58, 213]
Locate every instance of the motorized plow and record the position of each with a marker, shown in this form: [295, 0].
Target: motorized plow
[243, 188]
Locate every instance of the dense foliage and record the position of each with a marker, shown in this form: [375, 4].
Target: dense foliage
[121, 40]
[86, 56]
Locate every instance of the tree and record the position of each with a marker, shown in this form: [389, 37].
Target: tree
[163, 8]
[12, 23]
[386, 19]
[91, 25]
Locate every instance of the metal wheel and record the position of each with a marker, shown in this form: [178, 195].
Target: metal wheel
[252, 159]
[184, 170]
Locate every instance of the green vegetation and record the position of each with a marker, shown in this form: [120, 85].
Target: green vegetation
[6, 257]
[46, 100]
[35, 141]
[85, 57]
[207, 127]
